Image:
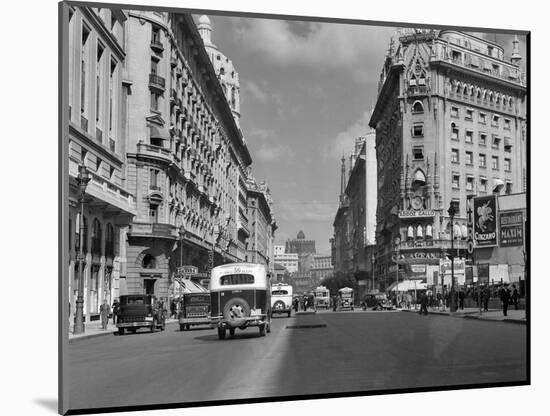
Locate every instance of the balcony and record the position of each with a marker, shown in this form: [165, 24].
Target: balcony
[156, 44]
[156, 82]
[154, 151]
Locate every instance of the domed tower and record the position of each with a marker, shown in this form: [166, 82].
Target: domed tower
[301, 235]
[227, 75]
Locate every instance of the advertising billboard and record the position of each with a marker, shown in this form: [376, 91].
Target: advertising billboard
[485, 223]
[511, 228]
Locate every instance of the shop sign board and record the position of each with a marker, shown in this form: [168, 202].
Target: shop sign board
[445, 266]
[511, 229]
[421, 213]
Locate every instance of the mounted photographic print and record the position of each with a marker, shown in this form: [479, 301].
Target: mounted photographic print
[270, 208]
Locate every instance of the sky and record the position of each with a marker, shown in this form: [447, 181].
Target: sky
[306, 93]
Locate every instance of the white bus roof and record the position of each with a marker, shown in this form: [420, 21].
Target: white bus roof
[259, 271]
[345, 290]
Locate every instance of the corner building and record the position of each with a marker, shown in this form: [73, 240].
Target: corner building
[96, 139]
[186, 155]
[450, 121]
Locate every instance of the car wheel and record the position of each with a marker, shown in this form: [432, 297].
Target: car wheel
[232, 332]
[182, 327]
[221, 333]
[120, 331]
[268, 328]
[262, 330]
[235, 312]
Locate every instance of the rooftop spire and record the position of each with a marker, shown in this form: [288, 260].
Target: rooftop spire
[343, 179]
[516, 57]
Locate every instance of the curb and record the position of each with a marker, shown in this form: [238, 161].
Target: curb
[107, 332]
[471, 316]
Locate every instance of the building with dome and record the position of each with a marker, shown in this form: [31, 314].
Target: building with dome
[450, 122]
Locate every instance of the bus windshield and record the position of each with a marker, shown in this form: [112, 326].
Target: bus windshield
[236, 279]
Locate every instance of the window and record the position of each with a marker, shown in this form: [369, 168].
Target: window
[454, 132]
[155, 101]
[84, 71]
[454, 112]
[418, 130]
[99, 86]
[96, 237]
[418, 152]
[482, 118]
[495, 122]
[496, 142]
[469, 114]
[112, 92]
[417, 107]
[153, 213]
[483, 185]
[469, 158]
[153, 179]
[494, 162]
[456, 181]
[469, 138]
[149, 262]
[109, 245]
[155, 34]
[154, 66]
[454, 156]
[482, 139]
[482, 160]
[470, 183]
[237, 279]
[508, 165]
[507, 124]
[508, 188]
[507, 144]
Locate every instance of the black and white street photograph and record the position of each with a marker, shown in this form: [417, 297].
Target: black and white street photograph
[270, 207]
[275, 208]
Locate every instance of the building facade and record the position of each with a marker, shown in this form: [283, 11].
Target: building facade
[186, 155]
[450, 121]
[288, 260]
[97, 129]
[321, 267]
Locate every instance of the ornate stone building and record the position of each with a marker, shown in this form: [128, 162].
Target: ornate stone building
[96, 139]
[186, 155]
[450, 121]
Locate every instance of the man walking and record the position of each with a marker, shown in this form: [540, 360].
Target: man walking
[505, 298]
[116, 308]
[461, 300]
[104, 311]
[515, 297]
[423, 304]
[486, 296]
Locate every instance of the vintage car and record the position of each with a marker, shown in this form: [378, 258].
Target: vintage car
[140, 311]
[194, 310]
[322, 297]
[281, 298]
[377, 302]
[240, 297]
[345, 298]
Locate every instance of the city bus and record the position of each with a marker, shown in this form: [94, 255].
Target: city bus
[345, 298]
[322, 297]
[240, 297]
[281, 298]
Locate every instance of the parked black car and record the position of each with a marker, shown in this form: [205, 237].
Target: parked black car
[140, 311]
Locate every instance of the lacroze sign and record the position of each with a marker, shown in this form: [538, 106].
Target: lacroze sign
[511, 229]
[485, 224]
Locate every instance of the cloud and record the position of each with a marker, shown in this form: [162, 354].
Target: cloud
[344, 141]
[255, 91]
[306, 211]
[267, 146]
[319, 46]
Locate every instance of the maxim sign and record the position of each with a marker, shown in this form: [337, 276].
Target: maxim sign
[485, 223]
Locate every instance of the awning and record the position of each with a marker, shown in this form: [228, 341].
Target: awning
[407, 285]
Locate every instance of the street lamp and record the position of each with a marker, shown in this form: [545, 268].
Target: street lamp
[82, 180]
[372, 259]
[452, 211]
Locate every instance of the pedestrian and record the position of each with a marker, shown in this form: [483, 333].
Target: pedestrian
[439, 300]
[486, 297]
[515, 297]
[423, 304]
[104, 311]
[116, 310]
[334, 303]
[461, 300]
[505, 298]
[173, 308]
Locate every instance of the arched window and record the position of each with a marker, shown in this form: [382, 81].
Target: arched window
[96, 237]
[410, 232]
[429, 231]
[418, 107]
[419, 233]
[149, 262]
[222, 71]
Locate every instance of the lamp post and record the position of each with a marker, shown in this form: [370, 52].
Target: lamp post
[452, 211]
[372, 259]
[82, 180]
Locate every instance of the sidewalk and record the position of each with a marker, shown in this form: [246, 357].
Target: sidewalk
[514, 316]
[93, 329]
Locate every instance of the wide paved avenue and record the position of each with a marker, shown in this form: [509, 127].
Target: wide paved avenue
[305, 354]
